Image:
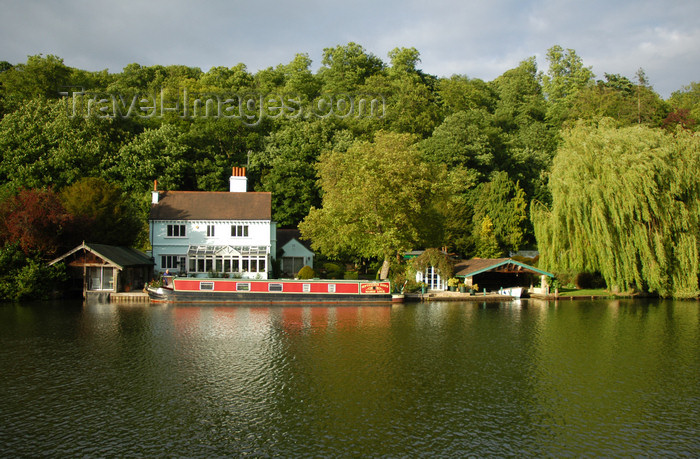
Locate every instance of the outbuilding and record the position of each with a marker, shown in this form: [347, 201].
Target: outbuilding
[293, 252]
[98, 269]
[495, 273]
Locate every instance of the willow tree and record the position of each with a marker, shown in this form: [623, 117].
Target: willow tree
[378, 200]
[625, 202]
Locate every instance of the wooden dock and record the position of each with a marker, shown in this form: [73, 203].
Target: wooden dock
[129, 297]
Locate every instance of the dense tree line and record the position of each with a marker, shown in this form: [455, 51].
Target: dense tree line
[438, 162]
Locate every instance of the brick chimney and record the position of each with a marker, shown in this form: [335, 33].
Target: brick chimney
[238, 183]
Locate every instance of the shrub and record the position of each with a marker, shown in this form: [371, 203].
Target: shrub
[333, 270]
[351, 275]
[306, 272]
[412, 286]
[27, 278]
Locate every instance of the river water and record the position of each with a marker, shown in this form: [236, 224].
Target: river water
[530, 378]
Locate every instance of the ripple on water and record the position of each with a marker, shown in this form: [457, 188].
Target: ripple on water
[443, 379]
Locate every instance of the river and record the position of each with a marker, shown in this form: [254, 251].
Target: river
[529, 378]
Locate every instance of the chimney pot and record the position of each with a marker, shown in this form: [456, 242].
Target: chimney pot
[238, 182]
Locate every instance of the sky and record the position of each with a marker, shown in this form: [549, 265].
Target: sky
[479, 39]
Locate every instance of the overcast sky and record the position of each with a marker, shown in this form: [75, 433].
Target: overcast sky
[478, 39]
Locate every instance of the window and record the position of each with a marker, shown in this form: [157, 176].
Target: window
[239, 230]
[100, 278]
[306, 288]
[274, 287]
[242, 287]
[176, 231]
[331, 288]
[292, 265]
[210, 230]
[206, 286]
[169, 262]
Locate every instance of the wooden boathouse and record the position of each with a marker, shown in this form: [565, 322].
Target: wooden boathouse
[100, 271]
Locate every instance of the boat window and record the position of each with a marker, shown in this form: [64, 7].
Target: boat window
[274, 287]
[206, 286]
[331, 288]
[242, 286]
[306, 288]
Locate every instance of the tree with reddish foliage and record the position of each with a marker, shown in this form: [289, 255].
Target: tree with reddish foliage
[679, 117]
[36, 220]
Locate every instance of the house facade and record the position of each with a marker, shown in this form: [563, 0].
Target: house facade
[200, 234]
[293, 253]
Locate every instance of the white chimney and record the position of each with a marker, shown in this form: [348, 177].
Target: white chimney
[238, 183]
[154, 193]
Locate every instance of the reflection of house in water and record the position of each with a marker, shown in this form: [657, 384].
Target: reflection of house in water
[97, 270]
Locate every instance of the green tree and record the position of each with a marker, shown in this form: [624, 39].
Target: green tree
[625, 203]
[619, 98]
[41, 146]
[214, 146]
[156, 154]
[105, 214]
[378, 200]
[460, 93]
[299, 80]
[467, 139]
[24, 277]
[521, 114]
[286, 167]
[687, 100]
[235, 79]
[565, 77]
[486, 242]
[345, 68]
[503, 202]
[40, 76]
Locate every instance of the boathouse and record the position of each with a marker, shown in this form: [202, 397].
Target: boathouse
[97, 270]
[496, 273]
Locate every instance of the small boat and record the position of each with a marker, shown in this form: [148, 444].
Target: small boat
[222, 290]
[515, 292]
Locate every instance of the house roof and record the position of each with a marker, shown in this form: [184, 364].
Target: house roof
[212, 205]
[286, 235]
[469, 268]
[121, 257]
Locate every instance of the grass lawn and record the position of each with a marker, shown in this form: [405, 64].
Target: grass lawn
[585, 292]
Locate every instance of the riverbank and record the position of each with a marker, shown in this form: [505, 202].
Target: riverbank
[588, 294]
[456, 296]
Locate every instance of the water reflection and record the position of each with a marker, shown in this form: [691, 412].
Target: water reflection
[519, 378]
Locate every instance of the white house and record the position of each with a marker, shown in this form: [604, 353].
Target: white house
[197, 233]
[293, 253]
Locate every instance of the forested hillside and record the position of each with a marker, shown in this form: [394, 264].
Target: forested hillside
[372, 156]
